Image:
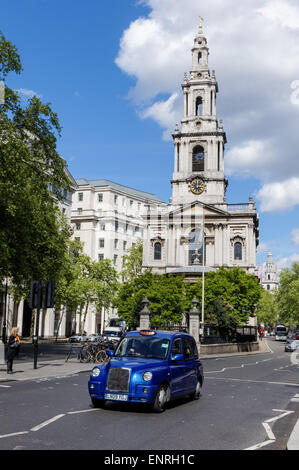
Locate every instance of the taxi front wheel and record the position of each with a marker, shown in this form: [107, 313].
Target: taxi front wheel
[162, 398]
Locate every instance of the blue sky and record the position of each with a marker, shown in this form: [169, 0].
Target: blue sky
[99, 64]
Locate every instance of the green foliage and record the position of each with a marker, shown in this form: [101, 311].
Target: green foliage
[165, 293]
[239, 291]
[287, 297]
[132, 262]
[33, 233]
[266, 310]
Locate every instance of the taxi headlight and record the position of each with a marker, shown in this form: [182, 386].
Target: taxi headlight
[95, 372]
[147, 376]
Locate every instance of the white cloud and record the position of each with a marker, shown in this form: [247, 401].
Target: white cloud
[279, 196]
[164, 113]
[28, 93]
[286, 262]
[283, 13]
[295, 236]
[250, 158]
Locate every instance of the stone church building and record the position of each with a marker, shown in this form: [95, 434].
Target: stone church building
[173, 233]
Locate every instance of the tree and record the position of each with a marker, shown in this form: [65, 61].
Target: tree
[85, 283]
[165, 294]
[132, 262]
[34, 234]
[238, 290]
[287, 297]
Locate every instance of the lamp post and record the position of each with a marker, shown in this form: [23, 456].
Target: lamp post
[194, 322]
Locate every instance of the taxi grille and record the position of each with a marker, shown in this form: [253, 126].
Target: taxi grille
[118, 379]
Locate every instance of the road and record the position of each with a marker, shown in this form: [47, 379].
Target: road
[246, 404]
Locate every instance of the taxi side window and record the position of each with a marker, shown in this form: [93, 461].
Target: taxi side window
[190, 348]
[176, 347]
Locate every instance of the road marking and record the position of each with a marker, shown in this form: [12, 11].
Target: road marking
[253, 381]
[82, 411]
[238, 367]
[45, 423]
[261, 444]
[5, 386]
[13, 434]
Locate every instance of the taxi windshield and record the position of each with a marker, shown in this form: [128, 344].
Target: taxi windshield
[144, 347]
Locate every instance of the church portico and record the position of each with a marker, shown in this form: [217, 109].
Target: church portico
[199, 231]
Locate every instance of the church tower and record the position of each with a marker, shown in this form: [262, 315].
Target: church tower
[199, 146]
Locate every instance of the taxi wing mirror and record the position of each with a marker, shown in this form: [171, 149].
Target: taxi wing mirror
[177, 357]
[109, 352]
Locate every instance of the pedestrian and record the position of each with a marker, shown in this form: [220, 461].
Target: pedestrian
[12, 348]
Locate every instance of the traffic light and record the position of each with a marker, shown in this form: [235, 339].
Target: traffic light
[50, 294]
[36, 294]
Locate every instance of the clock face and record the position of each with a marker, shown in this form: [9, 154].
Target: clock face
[197, 186]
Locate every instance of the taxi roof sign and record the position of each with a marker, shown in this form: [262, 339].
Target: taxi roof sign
[147, 332]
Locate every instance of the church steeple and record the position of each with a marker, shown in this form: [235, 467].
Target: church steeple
[199, 147]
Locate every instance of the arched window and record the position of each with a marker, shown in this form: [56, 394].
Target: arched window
[157, 251]
[198, 106]
[200, 57]
[198, 159]
[238, 251]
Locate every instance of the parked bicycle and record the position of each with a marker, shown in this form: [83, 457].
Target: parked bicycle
[96, 351]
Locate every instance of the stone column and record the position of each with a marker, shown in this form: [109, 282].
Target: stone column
[194, 322]
[144, 322]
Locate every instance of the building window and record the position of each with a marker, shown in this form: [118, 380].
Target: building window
[268, 287]
[126, 229]
[198, 159]
[238, 251]
[80, 209]
[100, 257]
[115, 243]
[115, 259]
[131, 203]
[101, 242]
[198, 110]
[78, 226]
[124, 245]
[100, 197]
[157, 251]
[116, 227]
[200, 58]
[115, 199]
[80, 196]
[102, 227]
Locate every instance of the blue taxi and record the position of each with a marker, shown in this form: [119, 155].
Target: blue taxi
[150, 367]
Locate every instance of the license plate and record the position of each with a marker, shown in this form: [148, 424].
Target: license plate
[113, 396]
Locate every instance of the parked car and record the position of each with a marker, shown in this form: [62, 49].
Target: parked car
[94, 338]
[149, 367]
[297, 334]
[291, 345]
[78, 338]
